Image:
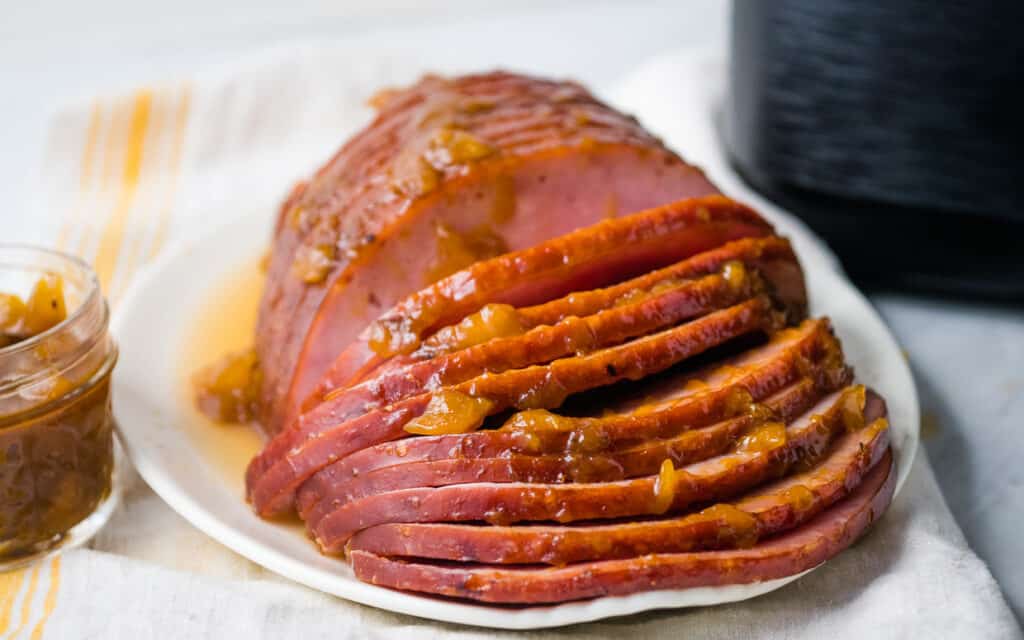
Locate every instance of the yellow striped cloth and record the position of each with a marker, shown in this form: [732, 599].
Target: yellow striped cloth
[119, 140]
[126, 139]
[27, 599]
[123, 178]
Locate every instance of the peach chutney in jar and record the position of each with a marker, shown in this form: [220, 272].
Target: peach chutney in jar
[56, 427]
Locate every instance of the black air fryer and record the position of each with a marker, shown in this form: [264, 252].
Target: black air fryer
[894, 129]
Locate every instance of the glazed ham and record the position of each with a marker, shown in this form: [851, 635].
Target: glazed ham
[800, 359]
[798, 550]
[606, 463]
[308, 448]
[515, 351]
[773, 451]
[779, 506]
[451, 171]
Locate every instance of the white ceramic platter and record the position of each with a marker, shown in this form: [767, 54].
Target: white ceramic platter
[197, 468]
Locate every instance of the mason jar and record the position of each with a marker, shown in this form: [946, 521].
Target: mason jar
[57, 448]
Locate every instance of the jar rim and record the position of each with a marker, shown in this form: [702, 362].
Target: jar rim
[89, 299]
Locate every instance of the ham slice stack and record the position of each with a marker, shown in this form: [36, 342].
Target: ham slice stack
[485, 379]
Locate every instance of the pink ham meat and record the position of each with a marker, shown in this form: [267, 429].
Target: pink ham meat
[772, 257]
[810, 350]
[450, 171]
[658, 310]
[721, 477]
[800, 549]
[785, 504]
[685, 447]
[675, 231]
[601, 254]
[295, 455]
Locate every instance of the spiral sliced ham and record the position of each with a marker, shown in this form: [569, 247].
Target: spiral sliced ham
[655, 309]
[719, 477]
[690, 445]
[313, 447]
[450, 171]
[682, 403]
[577, 448]
[516, 351]
[555, 329]
[780, 506]
[590, 257]
[798, 550]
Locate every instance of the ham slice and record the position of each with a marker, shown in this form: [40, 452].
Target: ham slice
[800, 549]
[721, 477]
[614, 463]
[580, 320]
[781, 506]
[594, 256]
[687, 401]
[658, 309]
[295, 455]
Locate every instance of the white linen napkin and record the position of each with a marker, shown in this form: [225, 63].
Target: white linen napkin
[125, 177]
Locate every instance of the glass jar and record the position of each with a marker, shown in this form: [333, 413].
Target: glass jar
[57, 449]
